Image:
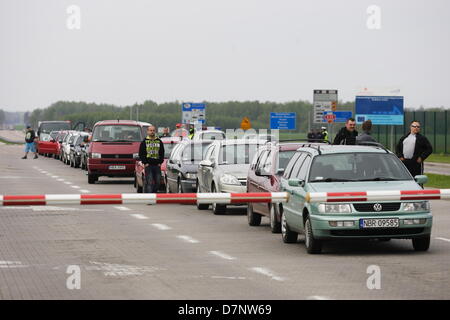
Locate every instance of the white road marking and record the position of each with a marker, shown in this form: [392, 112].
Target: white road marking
[60, 180]
[222, 255]
[138, 216]
[11, 264]
[118, 270]
[84, 191]
[443, 239]
[75, 187]
[188, 239]
[55, 177]
[43, 171]
[67, 182]
[267, 272]
[229, 278]
[122, 208]
[161, 226]
[318, 298]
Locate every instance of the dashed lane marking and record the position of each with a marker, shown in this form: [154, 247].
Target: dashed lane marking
[122, 208]
[222, 255]
[187, 239]
[161, 226]
[267, 272]
[138, 216]
[443, 239]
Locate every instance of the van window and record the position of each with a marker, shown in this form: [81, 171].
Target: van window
[117, 133]
[290, 164]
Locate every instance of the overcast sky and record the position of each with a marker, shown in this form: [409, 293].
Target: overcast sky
[129, 51]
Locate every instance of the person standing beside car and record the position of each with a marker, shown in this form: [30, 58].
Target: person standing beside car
[151, 153]
[348, 134]
[30, 145]
[413, 148]
[365, 136]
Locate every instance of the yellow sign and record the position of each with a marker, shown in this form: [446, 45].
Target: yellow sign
[333, 105]
[245, 124]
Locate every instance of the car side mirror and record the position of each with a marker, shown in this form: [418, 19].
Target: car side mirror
[294, 182]
[280, 172]
[421, 179]
[206, 163]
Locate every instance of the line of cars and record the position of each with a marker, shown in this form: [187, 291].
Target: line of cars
[259, 165]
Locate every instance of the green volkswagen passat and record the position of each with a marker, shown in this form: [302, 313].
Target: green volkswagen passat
[339, 168]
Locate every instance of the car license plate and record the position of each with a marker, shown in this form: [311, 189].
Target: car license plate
[116, 167]
[379, 223]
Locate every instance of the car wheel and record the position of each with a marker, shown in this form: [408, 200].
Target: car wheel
[254, 219]
[421, 244]
[92, 178]
[218, 209]
[275, 226]
[201, 206]
[312, 245]
[287, 235]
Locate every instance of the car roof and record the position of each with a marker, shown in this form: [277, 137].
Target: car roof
[125, 122]
[334, 149]
[210, 131]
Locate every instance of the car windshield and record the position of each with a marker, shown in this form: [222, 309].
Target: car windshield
[284, 157]
[117, 133]
[54, 126]
[212, 136]
[44, 137]
[194, 152]
[168, 147]
[54, 134]
[237, 153]
[358, 167]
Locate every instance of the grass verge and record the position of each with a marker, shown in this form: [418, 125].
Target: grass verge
[438, 181]
[439, 158]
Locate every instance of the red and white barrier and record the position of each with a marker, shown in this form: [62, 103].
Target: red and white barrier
[394, 195]
[142, 198]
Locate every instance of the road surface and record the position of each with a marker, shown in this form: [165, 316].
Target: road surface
[179, 252]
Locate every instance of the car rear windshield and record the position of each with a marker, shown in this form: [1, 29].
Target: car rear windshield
[237, 153]
[284, 157]
[212, 136]
[54, 126]
[117, 133]
[193, 152]
[358, 167]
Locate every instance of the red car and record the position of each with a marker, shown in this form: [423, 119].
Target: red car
[114, 148]
[264, 175]
[47, 144]
[169, 143]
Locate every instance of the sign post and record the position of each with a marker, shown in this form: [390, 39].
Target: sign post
[324, 101]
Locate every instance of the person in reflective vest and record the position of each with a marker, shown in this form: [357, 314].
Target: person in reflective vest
[324, 134]
[151, 153]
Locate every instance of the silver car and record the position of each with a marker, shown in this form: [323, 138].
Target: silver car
[224, 169]
[209, 135]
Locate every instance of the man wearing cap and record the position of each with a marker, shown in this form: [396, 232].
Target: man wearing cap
[30, 136]
[324, 134]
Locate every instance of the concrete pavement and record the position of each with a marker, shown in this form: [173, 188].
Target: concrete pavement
[179, 252]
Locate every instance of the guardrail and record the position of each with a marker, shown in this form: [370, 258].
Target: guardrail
[143, 198]
[395, 195]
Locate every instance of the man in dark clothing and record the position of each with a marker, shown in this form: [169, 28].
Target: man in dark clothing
[165, 133]
[151, 153]
[30, 136]
[413, 148]
[310, 136]
[347, 135]
[365, 136]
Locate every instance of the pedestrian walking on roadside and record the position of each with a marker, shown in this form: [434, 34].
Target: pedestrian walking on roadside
[347, 135]
[30, 145]
[365, 136]
[413, 148]
[151, 153]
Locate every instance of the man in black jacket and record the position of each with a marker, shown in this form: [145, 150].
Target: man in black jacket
[30, 145]
[347, 135]
[413, 148]
[151, 153]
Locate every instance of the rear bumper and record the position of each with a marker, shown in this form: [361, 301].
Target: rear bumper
[189, 185]
[323, 230]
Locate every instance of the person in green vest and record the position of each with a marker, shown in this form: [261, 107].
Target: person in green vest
[151, 153]
[324, 133]
[191, 132]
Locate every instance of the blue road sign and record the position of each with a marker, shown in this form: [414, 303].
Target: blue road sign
[283, 120]
[342, 116]
[380, 110]
[193, 112]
